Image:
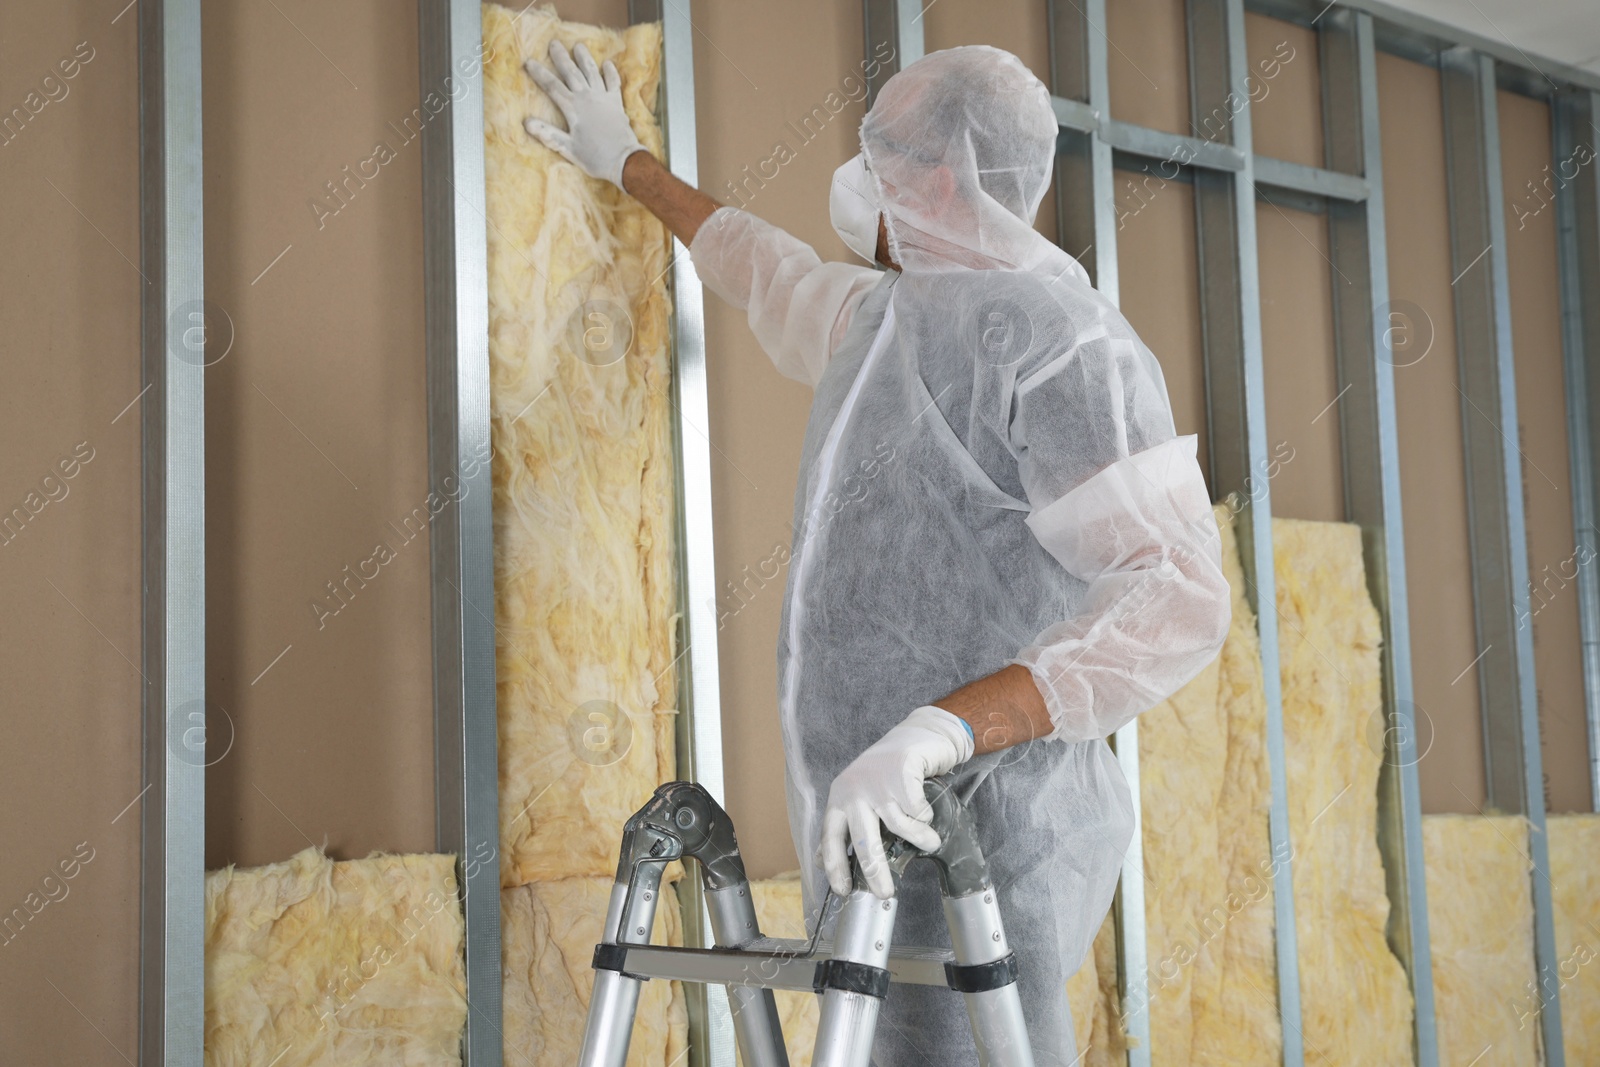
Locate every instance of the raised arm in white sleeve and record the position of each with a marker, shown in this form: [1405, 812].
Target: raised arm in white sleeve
[798, 306]
[1119, 501]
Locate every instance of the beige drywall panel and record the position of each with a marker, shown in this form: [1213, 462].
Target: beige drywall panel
[1285, 90]
[1018, 26]
[1531, 180]
[1298, 359]
[760, 69]
[1428, 408]
[1148, 63]
[69, 566]
[316, 434]
[1158, 266]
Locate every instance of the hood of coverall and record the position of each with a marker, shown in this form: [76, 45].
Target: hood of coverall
[961, 145]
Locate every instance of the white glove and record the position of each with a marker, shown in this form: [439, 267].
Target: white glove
[885, 784]
[598, 137]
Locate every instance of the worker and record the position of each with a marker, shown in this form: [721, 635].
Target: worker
[1002, 550]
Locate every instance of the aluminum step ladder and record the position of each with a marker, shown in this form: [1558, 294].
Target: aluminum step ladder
[853, 972]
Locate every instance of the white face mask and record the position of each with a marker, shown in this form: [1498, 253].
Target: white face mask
[853, 208]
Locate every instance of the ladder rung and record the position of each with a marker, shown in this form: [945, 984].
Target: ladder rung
[772, 963]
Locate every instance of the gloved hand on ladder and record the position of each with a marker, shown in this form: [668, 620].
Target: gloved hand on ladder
[884, 784]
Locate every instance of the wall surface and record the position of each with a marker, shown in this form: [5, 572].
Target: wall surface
[1298, 360]
[1553, 562]
[1433, 482]
[1158, 265]
[760, 68]
[1148, 56]
[316, 426]
[70, 559]
[316, 434]
[1433, 475]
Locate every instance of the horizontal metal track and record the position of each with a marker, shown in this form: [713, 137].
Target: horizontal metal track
[1158, 144]
[1143, 142]
[1281, 174]
[1415, 36]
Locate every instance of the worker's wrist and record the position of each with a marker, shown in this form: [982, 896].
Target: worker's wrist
[632, 167]
[953, 727]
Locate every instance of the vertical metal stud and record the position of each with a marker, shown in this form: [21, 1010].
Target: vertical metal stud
[1577, 194]
[1225, 215]
[1496, 519]
[699, 741]
[1086, 226]
[461, 542]
[1086, 201]
[172, 816]
[1369, 439]
[896, 24]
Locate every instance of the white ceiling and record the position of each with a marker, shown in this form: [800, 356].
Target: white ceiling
[1564, 30]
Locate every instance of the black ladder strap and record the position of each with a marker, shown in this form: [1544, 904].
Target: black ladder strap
[611, 958]
[851, 977]
[981, 977]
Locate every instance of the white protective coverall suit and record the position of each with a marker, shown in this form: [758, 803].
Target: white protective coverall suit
[990, 476]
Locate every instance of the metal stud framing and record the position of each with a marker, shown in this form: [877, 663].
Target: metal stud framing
[1225, 220]
[1370, 445]
[172, 815]
[897, 23]
[1577, 193]
[1086, 221]
[1495, 513]
[1227, 177]
[461, 545]
[699, 686]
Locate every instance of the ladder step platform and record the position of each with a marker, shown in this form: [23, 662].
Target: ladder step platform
[852, 972]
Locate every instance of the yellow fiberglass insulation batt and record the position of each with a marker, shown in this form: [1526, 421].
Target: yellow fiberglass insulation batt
[1355, 999]
[1480, 929]
[313, 962]
[1575, 890]
[583, 479]
[548, 931]
[1093, 998]
[1207, 855]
